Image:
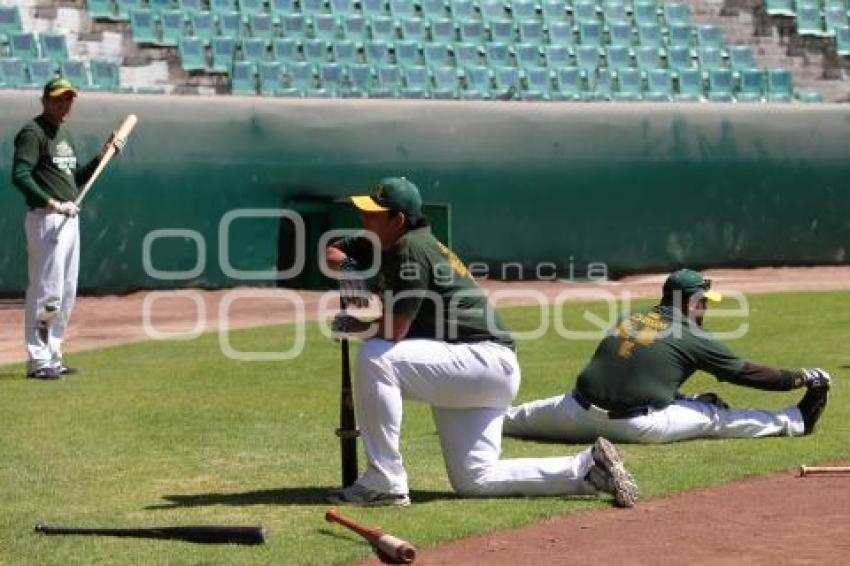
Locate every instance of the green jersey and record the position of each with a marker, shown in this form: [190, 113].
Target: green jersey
[45, 163]
[649, 354]
[422, 280]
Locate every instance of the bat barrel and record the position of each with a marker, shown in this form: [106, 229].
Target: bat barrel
[823, 470]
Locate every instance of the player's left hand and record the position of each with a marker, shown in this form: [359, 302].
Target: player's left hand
[345, 325]
[816, 377]
[116, 143]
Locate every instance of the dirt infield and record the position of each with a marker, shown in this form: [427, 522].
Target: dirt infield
[775, 520]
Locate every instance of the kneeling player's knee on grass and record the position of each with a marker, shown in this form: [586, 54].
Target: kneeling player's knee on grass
[469, 481]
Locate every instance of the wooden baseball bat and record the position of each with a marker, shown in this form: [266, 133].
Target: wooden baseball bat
[121, 133]
[821, 470]
[347, 431]
[211, 534]
[390, 546]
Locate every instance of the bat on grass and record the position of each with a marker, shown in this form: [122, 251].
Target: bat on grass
[121, 133]
[211, 534]
[391, 547]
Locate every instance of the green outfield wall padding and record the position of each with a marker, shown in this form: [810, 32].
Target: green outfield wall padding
[636, 187]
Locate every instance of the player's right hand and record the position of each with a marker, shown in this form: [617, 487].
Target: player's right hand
[816, 377]
[68, 208]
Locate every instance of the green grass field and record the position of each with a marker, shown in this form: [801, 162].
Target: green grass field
[163, 433]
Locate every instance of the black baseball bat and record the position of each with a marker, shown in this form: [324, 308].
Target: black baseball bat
[211, 534]
[347, 431]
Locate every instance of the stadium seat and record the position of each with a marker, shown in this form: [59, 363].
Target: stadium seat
[493, 10]
[261, 26]
[645, 12]
[561, 33]
[389, 82]
[189, 6]
[620, 34]
[294, 25]
[810, 97]
[809, 20]
[531, 31]
[416, 82]
[587, 58]
[76, 72]
[618, 57]
[679, 58]
[402, 8]
[659, 85]
[312, 7]
[780, 8]
[498, 54]
[528, 55]
[446, 82]
[250, 7]
[223, 53]
[203, 26]
[629, 85]
[331, 77]
[301, 75]
[142, 27]
[600, 85]
[325, 26]
[354, 27]
[614, 12]
[507, 83]
[502, 31]
[437, 54]
[284, 49]
[467, 54]
[835, 16]
[342, 7]
[10, 22]
[377, 52]
[538, 84]
[162, 5]
[752, 86]
[710, 58]
[524, 10]
[221, 6]
[345, 52]
[585, 11]
[741, 57]
[24, 45]
[590, 33]
[41, 71]
[568, 80]
[373, 7]
[842, 41]
[709, 36]
[315, 50]
[243, 80]
[280, 8]
[779, 85]
[690, 86]
[254, 50]
[407, 53]
[383, 28]
[173, 27]
[463, 9]
[13, 73]
[433, 8]
[101, 9]
[192, 56]
[270, 77]
[477, 83]
[443, 30]
[647, 58]
[414, 29]
[230, 24]
[720, 85]
[54, 46]
[649, 35]
[472, 31]
[123, 7]
[680, 35]
[104, 75]
[675, 13]
[558, 56]
[554, 11]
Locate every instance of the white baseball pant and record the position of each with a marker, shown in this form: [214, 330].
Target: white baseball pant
[562, 418]
[468, 386]
[53, 257]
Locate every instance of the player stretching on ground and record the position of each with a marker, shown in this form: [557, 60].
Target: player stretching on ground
[629, 390]
[440, 342]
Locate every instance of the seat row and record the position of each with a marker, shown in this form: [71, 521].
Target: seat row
[32, 74]
[505, 83]
[28, 46]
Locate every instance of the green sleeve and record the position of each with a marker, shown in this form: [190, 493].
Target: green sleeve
[27, 154]
[716, 358]
[408, 279]
[82, 175]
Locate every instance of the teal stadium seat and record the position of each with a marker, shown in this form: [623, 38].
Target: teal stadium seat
[752, 86]
[143, 27]
[76, 72]
[54, 46]
[810, 97]
[284, 49]
[279, 8]
[433, 9]
[741, 57]
[325, 26]
[498, 54]
[315, 50]
[647, 58]
[810, 20]
[223, 54]
[230, 24]
[222, 6]
[538, 84]
[675, 13]
[558, 56]
[10, 22]
[102, 9]
[24, 45]
[331, 77]
[302, 76]
[463, 9]
[587, 59]
[478, 83]
[614, 12]
[294, 26]
[446, 82]
[243, 79]
[41, 71]
[710, 58]
[203, 26]
[467, 54]
[493, 10]
[437, 54]
[679, 59]
[373, 7]
[649, 35]
[160, 6]
[261, 26]
[620, 34]
[842, 41]
[528, 55]
[313, 7]
[269, 73]
[354, 27]
[585, 11]
[172, 26]
[531, 31]
[105, 75]
[123, 8]
[659, 85]
[472, 31]
[402, 8]
[568, 80]
[383, 28]
[720, 85]
[561, 33]
[709, 36]
[189, 6]
[524, 10]
[780, 8]
[254, 49]
[690, 86]
[377, 52]
[507, 82]
[618, 58]
[13, 73]
[417, 82]
[407, 53]
[443, 29]
[835, 16]
[554, 11]
[414, 28]
[680, 35]
[345, 52]
[389, 82]
[342, 8]
[601, 85]
[502, 30]
[645, 12]
[779, 85]
[192, 55]
[251, 7]
[629, 85]
[590, 33]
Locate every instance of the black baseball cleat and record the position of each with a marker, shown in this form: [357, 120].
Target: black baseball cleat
[45, 373]
[608, 474]
[812, 405]
[66, 371]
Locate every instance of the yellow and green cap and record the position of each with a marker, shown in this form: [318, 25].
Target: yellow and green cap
[689, 282]
[394, 193]
[58, 87]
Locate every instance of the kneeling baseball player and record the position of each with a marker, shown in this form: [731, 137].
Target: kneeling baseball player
[629, 390]
[440, 342]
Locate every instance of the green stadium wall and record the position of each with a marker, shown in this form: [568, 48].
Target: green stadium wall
[638, 187]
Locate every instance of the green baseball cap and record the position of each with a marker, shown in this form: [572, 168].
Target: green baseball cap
[58, 87]
[688, 282]
[393, 193]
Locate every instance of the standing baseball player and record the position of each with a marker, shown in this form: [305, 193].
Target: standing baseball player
[440, 342]
[46, 171]
[629, 391]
